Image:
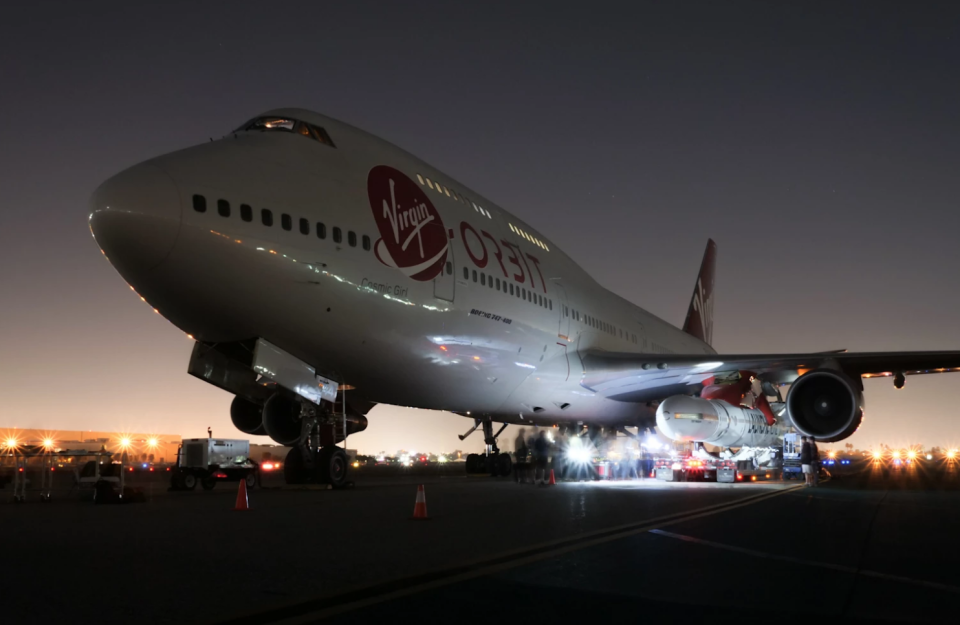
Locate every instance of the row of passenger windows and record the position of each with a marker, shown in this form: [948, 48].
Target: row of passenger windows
[508, 287]
[599, 324]
[439, 188]
[286, 222]
[529, 237]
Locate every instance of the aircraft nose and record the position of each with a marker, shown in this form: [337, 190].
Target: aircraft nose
[135, 218]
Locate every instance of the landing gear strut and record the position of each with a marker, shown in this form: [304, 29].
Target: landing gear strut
[315, 458]
[492, 462]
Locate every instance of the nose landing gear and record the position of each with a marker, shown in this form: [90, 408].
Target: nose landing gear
[492, 462]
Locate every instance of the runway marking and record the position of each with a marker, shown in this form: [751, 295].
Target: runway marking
[840, 568]
[325, 607]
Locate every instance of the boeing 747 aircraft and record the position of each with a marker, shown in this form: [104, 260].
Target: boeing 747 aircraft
[321, 270]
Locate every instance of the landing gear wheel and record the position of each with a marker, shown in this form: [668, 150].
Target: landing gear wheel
[189, 481]
[504, 464]
[332, 466]
[472, 463]
[208, 482]
[293, 467]
[490, 465]
[251, 480]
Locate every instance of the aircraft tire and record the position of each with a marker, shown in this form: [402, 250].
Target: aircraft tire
[208, 482]
[332, 466]
[293, 467]
[472, 463]
[504, 464]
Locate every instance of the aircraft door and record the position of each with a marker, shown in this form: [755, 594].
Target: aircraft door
[443, 284]
[563, 331]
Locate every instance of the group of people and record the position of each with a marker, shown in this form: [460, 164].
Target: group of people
[534, 452]
[810, 460]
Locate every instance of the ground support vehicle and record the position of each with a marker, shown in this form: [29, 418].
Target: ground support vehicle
[210, 460]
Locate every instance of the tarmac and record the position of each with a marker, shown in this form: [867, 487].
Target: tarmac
[866, 546]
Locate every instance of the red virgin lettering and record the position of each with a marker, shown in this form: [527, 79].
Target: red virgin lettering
[536, 263]
[521, 277]
[479, 262]
[497, 254]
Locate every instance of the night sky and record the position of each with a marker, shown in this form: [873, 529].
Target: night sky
[817, 143]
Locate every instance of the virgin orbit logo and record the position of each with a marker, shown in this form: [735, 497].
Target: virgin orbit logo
[412, 237]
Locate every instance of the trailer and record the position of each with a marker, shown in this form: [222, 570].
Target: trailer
[210, 460]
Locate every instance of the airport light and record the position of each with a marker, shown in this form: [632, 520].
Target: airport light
[152, 442]
[832, 454]
[12, 443]
[124, 442]
[896, 455]
[48, 443]
[912, 454]
[952, 454]
[877, 455]
[929, 456]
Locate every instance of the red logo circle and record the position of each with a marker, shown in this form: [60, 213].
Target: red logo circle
[412, 236]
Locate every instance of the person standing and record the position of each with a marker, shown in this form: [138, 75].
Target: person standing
[806, 458]
[522, 453]
[541, 450]
[815, 461]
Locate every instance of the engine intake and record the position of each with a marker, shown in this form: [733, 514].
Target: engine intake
[825, 404]
[281, 419]
[247, 416]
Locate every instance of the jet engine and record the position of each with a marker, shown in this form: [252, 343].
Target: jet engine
[281, 419]
[825, 404]
[247, 416]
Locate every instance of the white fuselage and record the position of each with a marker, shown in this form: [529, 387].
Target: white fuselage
[497, 332]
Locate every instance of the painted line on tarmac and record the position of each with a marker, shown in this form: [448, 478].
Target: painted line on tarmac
[840, 568]
[325, 607]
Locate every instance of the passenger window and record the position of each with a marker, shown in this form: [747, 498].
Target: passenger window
[223, 208]
[550, 303]
[483, 279]
[266, 216]
[366, 246]
[490, 282]
[304, 226]
[199, 203]
[352, 238]
[449, 267]
[523, 295]
[246, 213]
[337, 235]
[498, 284]
[466, 273]
[286, 222]
[304, 130]
[474, 275]
[321, 231]
[511, 288]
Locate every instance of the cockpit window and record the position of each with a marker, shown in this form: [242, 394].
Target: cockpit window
[285, 124]
[272, 123]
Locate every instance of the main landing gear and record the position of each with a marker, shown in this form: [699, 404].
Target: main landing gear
[492, 462]
[314, 458]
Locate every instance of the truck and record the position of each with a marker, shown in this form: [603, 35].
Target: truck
[212, 460]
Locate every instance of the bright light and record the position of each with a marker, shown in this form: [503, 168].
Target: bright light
[952, 454]
[267, 466]
[356, 464]
[832, 454]
[896, 455]
[929, 456]
[152, 442]
[580, 452]
[11, 443]
[442, 459]
[912, 454]
[48, 443]
[877, 455]
[124, 442]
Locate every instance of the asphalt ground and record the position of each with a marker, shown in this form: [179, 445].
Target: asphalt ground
[866, 546]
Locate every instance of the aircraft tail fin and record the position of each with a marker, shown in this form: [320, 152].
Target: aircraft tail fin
[699, 322]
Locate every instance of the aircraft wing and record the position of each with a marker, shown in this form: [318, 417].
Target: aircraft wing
[650, 377]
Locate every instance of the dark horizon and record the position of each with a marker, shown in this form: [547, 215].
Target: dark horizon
[817, 143]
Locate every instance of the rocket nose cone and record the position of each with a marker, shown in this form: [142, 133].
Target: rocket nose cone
[135, 218]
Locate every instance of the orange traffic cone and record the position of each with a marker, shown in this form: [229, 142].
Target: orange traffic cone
[553, 480]
[420, 508]
[242, 503]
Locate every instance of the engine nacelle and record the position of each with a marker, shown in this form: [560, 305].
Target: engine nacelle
[281, 419]
[825, 404]
[247, 416]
